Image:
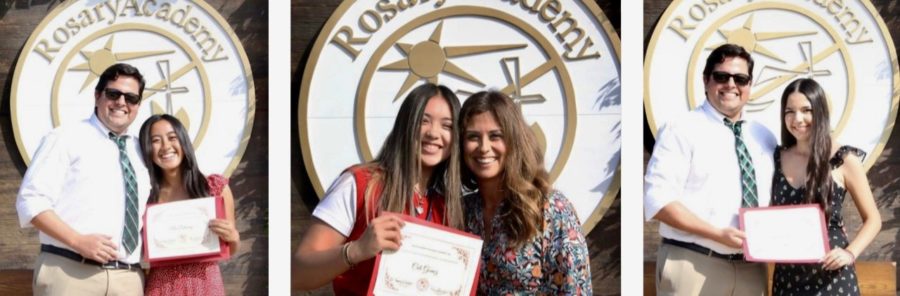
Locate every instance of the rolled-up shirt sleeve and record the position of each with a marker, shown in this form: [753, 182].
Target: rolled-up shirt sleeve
[43, 181]
[667, 170]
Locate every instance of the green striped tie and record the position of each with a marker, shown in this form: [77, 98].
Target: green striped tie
[748, 174]
[130, 234]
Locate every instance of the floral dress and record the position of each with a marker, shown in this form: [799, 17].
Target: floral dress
[202, 278]
[554, 262]
[811, 279]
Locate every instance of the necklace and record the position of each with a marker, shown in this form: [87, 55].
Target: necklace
[419, 197]
[420, 201]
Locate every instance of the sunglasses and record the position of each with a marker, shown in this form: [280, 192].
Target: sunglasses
[113, 94]
[723, 77]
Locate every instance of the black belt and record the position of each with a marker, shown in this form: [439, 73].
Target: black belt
[76, 257]
[703, 250]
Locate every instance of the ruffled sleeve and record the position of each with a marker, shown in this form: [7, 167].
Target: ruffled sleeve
[216, 184]
[838, 158]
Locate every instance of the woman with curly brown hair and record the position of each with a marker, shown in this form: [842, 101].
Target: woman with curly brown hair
[532, 237]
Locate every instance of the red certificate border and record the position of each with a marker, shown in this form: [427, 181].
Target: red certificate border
[425, 223]
[825, 242]
[222, 254]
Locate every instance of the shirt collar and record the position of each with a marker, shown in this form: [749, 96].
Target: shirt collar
[104, 131]
[717, 116]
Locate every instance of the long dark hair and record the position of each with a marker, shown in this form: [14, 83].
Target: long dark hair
[399, 161]
[818, 168]
[192, 179]
[525, 181]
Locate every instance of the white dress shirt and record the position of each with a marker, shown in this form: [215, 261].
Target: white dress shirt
[694, 162]
[76, 173]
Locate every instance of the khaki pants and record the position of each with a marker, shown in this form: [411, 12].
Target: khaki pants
[57, 275]
[680, 271]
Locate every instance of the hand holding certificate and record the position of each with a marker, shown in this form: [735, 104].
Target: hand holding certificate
[433, 260]
[784, 234]
[178, 232]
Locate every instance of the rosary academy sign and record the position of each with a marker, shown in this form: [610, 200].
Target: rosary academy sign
[558, 59]
[194, 65]
[844, 45]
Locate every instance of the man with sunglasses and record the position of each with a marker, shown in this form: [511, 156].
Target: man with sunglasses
[706, 166]
[85, 191]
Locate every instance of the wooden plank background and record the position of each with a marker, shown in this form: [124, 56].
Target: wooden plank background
[884, 176]
[246, 273]
[307, 19]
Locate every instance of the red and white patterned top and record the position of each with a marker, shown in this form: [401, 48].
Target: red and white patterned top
[203, 278]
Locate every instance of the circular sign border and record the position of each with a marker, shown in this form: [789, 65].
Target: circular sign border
[571, 122]
[885, 33]
[788, 7]
[599, 211]
[214, 14]
[110, 30]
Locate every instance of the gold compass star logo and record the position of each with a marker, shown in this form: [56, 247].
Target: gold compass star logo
[427, 59]
[750, 40]
[356, 78]
[202, 77]
[97, 61]
[848, 52]
[771, 76]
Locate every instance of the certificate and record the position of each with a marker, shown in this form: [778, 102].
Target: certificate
[178, 232]
[784, 234]
[433, 260]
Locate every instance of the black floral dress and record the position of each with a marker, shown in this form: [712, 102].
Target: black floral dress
[811, 279]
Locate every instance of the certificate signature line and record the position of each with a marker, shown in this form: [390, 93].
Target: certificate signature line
[430, 256]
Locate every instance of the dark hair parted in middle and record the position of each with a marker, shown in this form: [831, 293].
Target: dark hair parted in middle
[524, 180]
[728, 50]
[818, 168]
[193, 179]
[399, 161]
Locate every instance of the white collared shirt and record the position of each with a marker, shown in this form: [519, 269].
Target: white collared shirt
[694, 162]
[76, 173]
